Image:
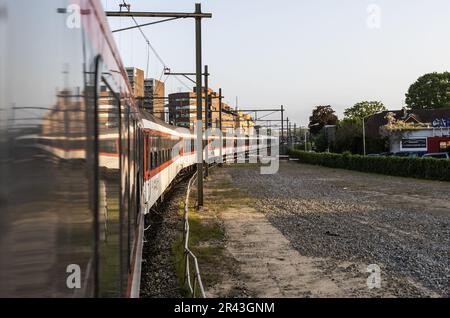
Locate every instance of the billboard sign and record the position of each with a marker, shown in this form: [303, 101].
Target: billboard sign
[415, 144]
[441, 123]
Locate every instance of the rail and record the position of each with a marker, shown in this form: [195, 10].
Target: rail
[197, 280]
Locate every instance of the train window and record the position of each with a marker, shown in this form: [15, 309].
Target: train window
[152, 161]
[160, 144]
[157, 154]
[153, 154]
[144, 155]
[152, 164]
[108, 147]
[149, 153]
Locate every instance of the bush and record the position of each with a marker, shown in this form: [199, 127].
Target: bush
[429, 168]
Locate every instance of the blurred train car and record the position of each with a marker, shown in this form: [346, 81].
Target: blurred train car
[80, 164]
[69, 154]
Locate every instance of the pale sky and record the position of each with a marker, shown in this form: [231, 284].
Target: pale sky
[299, 53]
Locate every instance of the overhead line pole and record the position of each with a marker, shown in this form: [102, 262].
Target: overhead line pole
[206, 98]
[282, 123]
[220, 124]
[295, 132]
[287, 130]
[198, 16]
[206, 120]
[198, 49]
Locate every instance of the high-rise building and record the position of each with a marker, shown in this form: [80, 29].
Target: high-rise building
[183, 112]
[154, 93]
[183, 109]
[229, 117]
[136, 79]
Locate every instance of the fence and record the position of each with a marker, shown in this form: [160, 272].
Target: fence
[188, 255]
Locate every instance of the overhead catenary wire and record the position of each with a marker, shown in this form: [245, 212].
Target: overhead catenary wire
[145, 24]
[150, 46]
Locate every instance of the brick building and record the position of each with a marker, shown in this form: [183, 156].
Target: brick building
[154, 93]
[183, 112]
[136, 79]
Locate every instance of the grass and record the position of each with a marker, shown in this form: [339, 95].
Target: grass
[207, 234]
[206, 242]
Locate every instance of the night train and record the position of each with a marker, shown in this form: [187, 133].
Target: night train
[80, 164]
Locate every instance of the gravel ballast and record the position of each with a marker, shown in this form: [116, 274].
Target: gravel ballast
[400, 224]
[158, 275]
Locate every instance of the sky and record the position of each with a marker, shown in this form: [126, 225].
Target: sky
[297, 53]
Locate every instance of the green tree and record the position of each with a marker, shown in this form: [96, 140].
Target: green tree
[364, 109]
[430, 91]
[321, 116]
[320, 141]
[349, 136]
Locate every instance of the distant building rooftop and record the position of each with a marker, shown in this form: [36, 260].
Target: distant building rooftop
[433, 117]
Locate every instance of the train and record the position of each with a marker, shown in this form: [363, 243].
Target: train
[81, 165]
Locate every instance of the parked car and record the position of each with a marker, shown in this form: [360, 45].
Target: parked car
[383, 154]
[411, 154]
[439, 155]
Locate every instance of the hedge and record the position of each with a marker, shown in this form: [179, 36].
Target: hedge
[429, 168]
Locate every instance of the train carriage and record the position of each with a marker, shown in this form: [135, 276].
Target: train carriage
[80, 164]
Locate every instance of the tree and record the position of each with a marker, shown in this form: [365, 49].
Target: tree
[430, 91]
[321, 116]
[363, 109]
[349, 136]
[320, 141]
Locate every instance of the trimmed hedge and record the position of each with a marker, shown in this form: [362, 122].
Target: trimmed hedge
[429, 168]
